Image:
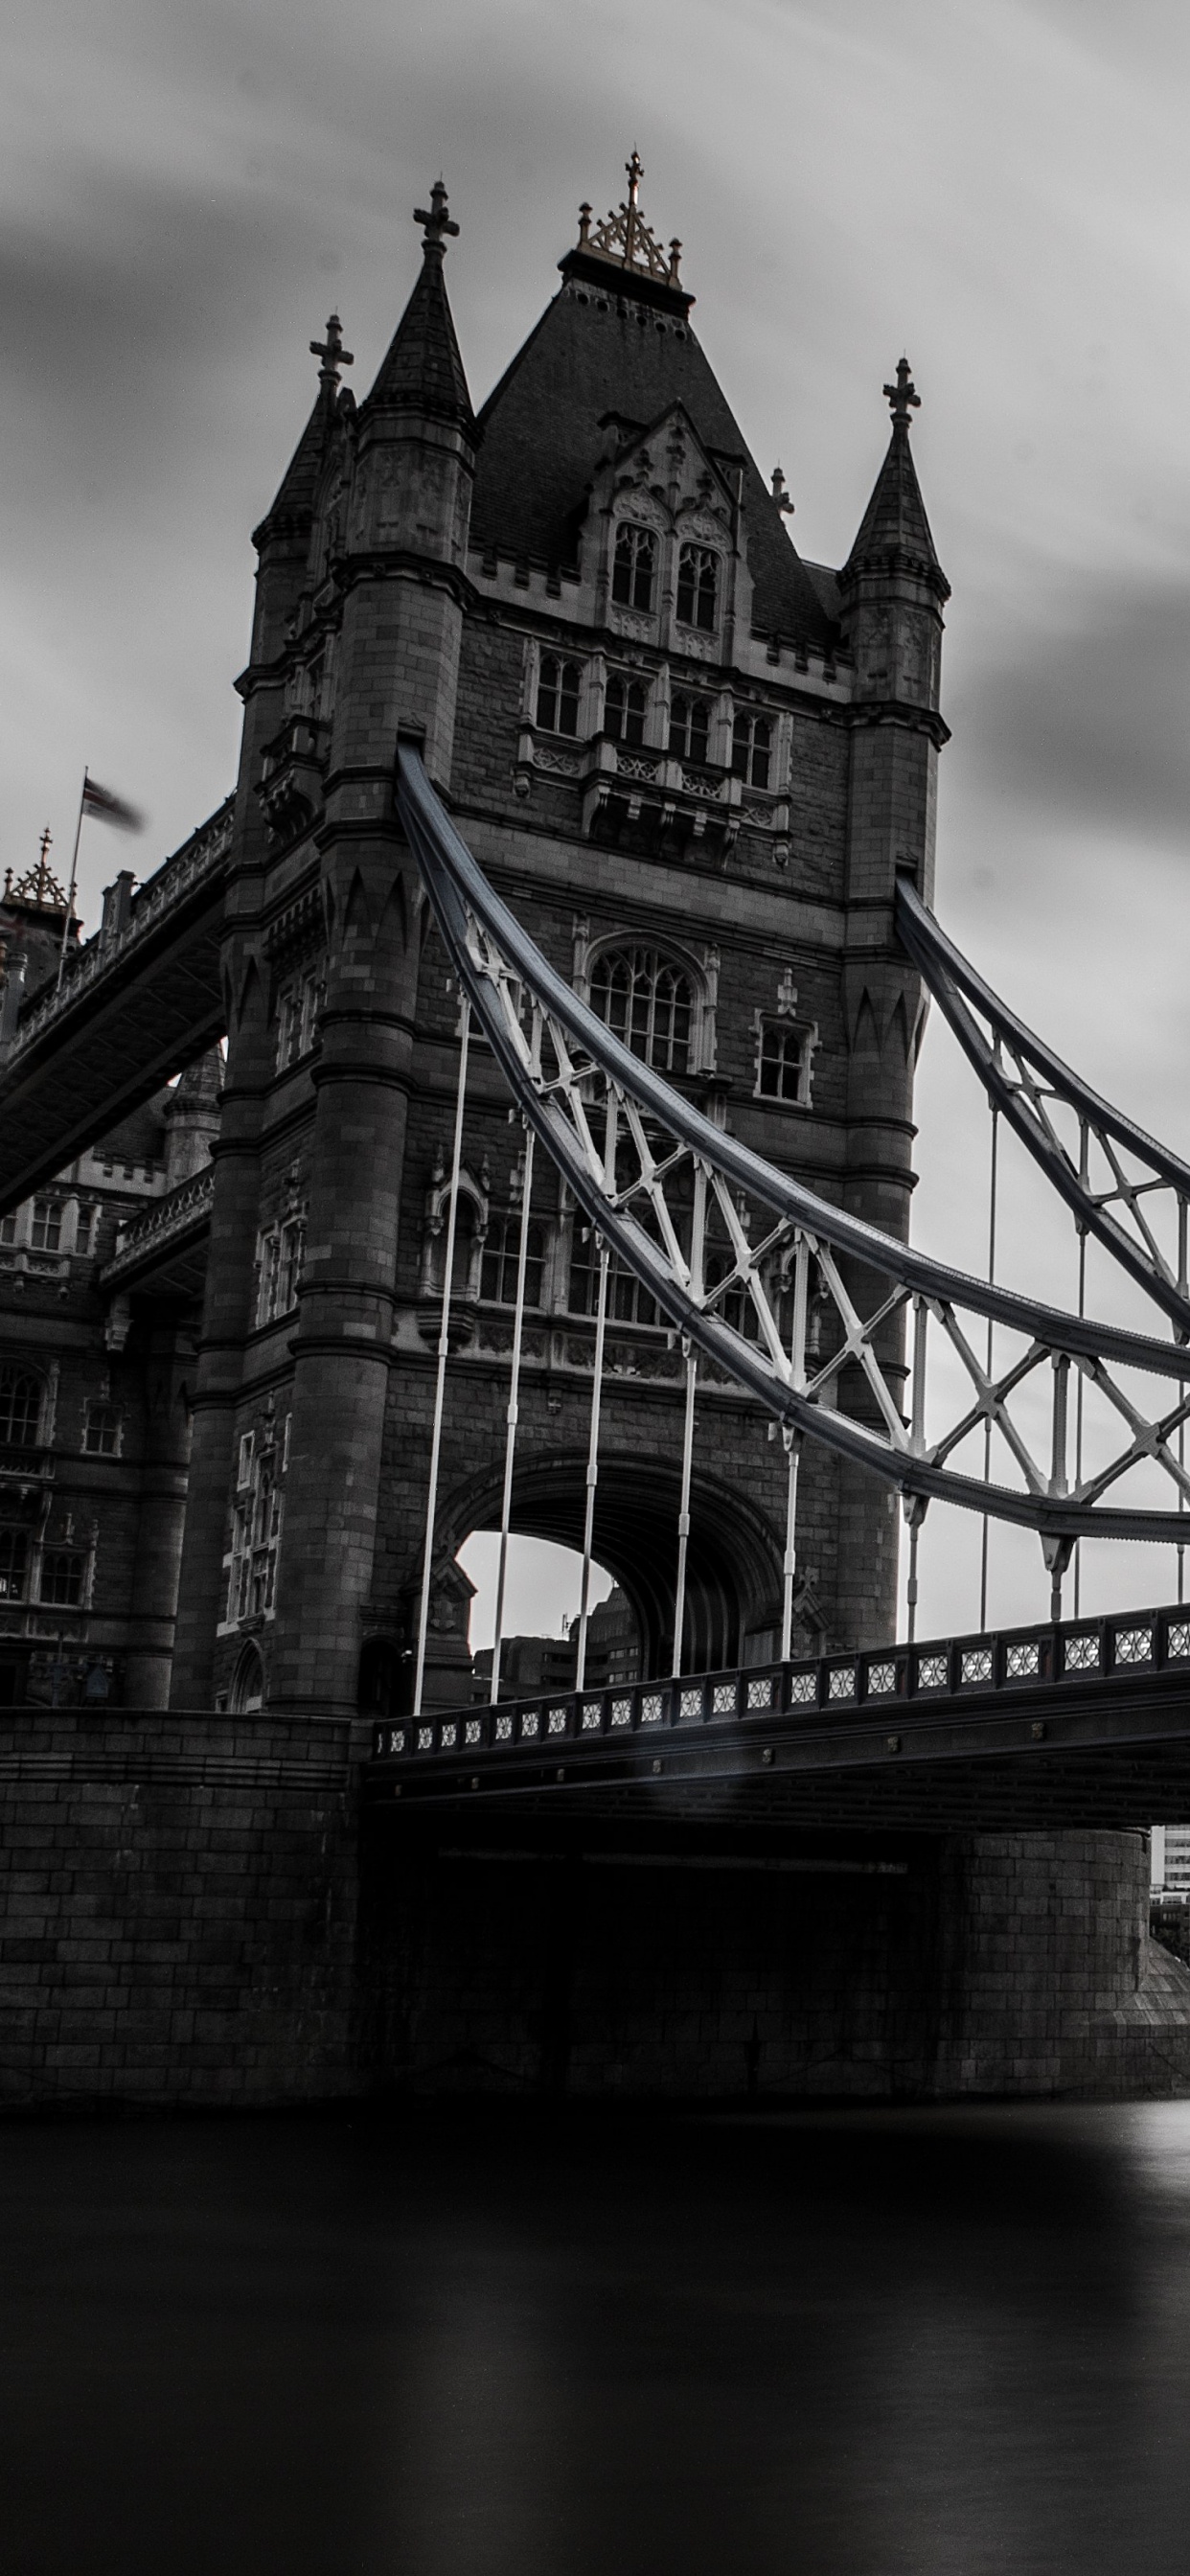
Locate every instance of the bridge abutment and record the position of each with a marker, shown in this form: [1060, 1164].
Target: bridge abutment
[193, 1916]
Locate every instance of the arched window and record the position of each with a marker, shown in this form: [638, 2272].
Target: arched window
[557, 695]
[501, 1256]
[628, 1302]
[690, 728]
[648, 1002]
[247, 1688]
[20, 1407]
[698, 587]
[624, 710]
[751, 749]
[633, 566]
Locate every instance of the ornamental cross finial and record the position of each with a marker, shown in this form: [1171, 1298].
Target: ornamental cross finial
[332, 352]
[436, 218]
[903, 397]
[626, 238]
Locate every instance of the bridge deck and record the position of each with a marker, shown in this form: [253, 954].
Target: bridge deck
[1087, 1723]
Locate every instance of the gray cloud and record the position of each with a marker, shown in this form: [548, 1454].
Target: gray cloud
[1087, 715]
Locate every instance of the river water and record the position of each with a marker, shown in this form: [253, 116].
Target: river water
[856, 2344]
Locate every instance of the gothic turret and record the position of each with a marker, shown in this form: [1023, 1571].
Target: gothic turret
[891, 593]
[407, 537]
[892, 586]
[282, 539]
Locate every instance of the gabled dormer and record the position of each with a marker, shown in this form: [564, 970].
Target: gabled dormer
[664, 546]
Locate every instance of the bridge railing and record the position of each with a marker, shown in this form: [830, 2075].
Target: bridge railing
[874, 1682]
[200, 857]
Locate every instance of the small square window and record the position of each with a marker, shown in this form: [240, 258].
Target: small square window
[784, 1062]
[101, 1431]
[62, 1572]
[45, 1233]
[558, 695]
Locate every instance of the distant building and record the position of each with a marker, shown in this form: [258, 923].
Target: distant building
[1173, 1852]
[529, 1665]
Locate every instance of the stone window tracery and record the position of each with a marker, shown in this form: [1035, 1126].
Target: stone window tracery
[698, 587]
[558, 688]
[785, 1060]
[646, 1000]
[299, 1003]
[501, 1258]
[45, 1229]
[690, 728]
[634, 565]
[101, 1431]
[624, 710]
[14, 1563]
[752, 749]
[21, 1394]
[280, 1261]
[63, 1571]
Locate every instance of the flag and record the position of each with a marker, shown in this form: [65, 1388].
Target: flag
[108, 808]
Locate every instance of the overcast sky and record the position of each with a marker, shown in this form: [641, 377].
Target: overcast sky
[1003, 190]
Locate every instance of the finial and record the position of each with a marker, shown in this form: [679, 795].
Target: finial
[903, 397]
[780, 493]
[625, 237]
[332, 352]
[437, 219]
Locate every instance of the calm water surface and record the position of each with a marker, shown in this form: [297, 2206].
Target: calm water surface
[831, 2345]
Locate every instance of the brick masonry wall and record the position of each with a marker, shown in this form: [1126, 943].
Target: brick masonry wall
[177, 1910]
[182, 1922]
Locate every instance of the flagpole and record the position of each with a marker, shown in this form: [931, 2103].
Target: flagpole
[74, 865]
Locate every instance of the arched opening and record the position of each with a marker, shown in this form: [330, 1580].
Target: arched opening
[247, 1685]
[542, 1608]
[733, 1564]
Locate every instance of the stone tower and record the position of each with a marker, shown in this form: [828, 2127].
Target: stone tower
[695, 764]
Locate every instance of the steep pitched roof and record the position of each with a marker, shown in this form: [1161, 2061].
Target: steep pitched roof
[541, 440]
[895, 521]
[293, 507]
[423, 370]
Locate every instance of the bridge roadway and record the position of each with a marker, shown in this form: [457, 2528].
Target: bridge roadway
[138, 1003]
[1084, 1724]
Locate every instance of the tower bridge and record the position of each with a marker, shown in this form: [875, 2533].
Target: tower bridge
[570, 932]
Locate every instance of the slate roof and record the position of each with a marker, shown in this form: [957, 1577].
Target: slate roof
[294, 503]
[895, 521]
[540, 442]
[423, 370]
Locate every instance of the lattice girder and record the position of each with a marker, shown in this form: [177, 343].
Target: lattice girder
[1026, 1082]
[647, 1169]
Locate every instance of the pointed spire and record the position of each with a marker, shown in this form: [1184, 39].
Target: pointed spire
[423, 369]
[293, 507]
[895, 523]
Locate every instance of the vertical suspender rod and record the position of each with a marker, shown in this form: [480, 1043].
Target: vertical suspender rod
[514, 1389]
[456, 1166]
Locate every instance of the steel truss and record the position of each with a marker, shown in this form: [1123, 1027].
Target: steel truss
[1126, 1209]
[772, 1286]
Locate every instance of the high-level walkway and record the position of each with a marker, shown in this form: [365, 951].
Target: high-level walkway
[138, 1003]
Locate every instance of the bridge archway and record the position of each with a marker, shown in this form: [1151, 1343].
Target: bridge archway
[733, 1565]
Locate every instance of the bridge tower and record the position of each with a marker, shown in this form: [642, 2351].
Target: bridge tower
[697, 763]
